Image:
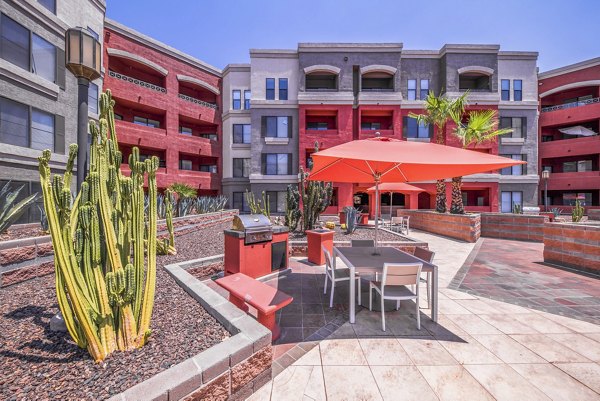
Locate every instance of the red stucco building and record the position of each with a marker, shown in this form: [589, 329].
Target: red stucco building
[168, 105]
[569, 145]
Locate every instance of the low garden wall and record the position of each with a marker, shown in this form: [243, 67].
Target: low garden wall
[230, 370]
[513, 226]
[464, 227]
[573, 245]
[26, 258]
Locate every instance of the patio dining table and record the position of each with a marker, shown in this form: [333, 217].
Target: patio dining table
[364, 259]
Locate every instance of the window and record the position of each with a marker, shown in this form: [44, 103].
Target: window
[474, 82]
[412, 89]
[570, 198]
[370, 126]
[239, 202]
[241, 168]
[509, 200]
[147, 122]
[185, 164]
[25, 126]
[505, 87]
[242, 133]
[185, 131]
[283, 89]
[212, 137]
[14, 44]
[518, 125]
[277, 200]
[577, 166]
[519, 169]
[377, 81]
[518, 90]
[277, 127]
[276, 163]
[236, 95]
[317, 126]
[93, 98]
[118, 117]
[43, 58]
[247, 95]
[49, 4]
[424, 89]
[321, 82]
[411, 129]
[42, 130]
[208, 168]
[270, 93]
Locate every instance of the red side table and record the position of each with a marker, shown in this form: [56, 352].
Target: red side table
[364, 219]
[316, 239]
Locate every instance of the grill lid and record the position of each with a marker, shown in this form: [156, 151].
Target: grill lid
[251, 222]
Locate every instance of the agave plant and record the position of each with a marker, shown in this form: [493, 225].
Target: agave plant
[9, 211]
[209, 204]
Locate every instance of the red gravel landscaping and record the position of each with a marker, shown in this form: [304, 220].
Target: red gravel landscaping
[360, 233]
[36, 363]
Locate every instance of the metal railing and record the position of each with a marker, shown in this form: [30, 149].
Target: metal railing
[572, 104]
[136, 81]
[197, 101]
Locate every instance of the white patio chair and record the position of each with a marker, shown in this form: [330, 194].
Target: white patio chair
[426, 256]
[336, 275]
[395, 278]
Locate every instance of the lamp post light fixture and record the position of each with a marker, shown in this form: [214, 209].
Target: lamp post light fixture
[545, 176]
[83, 59]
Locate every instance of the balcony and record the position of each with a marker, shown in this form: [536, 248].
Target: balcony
[570, 113]
[198, 101]
[574, 181]
[139, 135]
[569, 147]
[571, 105]
[136, 81]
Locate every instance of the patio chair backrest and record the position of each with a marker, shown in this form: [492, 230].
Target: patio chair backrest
[401, 274]
[424, 254]
[397, 220]
[362, 243]
[328, 260]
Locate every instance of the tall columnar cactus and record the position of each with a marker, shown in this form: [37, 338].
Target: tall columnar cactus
[167, 246]
[577, 213]
[261, 206]
[292, 208]
[104, 282]
[316, 196]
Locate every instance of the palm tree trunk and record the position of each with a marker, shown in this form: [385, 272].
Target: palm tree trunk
[440, 196]
[457, 206]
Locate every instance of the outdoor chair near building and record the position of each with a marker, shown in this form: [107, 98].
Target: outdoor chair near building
[393, 286]
[426, 256]
[400, 223]
[336, 275]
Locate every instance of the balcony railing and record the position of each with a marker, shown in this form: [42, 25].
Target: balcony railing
[570, 105]
[198, 101]
[136, 81]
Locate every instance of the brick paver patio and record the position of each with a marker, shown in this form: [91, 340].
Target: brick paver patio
[481, 349]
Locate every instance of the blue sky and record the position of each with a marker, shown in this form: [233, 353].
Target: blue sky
[221, 31]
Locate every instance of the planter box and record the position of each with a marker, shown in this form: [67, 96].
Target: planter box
[315, 240]
[363, 219]
[513, 226]
[573, 245]
[464, 227]
[342, 216]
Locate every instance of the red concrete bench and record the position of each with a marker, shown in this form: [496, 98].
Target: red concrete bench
[265, 299]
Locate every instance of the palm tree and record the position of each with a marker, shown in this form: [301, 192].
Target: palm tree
[438, 110]
[481, 126]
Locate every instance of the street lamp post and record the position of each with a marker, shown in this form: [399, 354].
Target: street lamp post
[83, 59]
[545, 176]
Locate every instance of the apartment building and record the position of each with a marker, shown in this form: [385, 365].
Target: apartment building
[569, 145]
[168, 104]
[38, 97]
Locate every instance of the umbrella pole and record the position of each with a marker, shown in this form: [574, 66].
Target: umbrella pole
[391, 205]
[376, 217]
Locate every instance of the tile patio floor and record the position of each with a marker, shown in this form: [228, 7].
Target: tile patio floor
[481, 349]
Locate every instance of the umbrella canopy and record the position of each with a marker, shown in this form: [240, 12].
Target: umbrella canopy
[391, 160]
[577, 130]
[380, 160]
[397, 187]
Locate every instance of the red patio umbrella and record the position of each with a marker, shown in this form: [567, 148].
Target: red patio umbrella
[396, 187]
[380, 160]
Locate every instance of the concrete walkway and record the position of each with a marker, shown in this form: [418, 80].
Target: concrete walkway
[481, 349]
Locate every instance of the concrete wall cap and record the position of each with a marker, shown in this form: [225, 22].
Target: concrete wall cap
[196, 81]
[378, 68]
[322, 68]
[475, 68]
[130, 56]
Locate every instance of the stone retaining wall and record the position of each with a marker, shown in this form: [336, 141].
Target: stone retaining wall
[230, 370]
[513, 226]
[464, 227]
[26, 258]
[573, 245]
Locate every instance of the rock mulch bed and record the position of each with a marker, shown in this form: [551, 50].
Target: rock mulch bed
[19, 233]
[36, 363]
[360, 233]
[207, 271]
